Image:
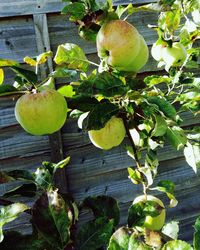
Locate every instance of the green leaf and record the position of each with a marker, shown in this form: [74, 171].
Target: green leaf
[76, 11]
[8, 63]
[171, 229]
[196, 238]
[160, 126]
[103, 84]
[94, 234]
[1, 76]
[167, 187]
[122, 239]
[177, 244]
[43, 178]
[103, 206]
[99, 115]
[10, 213]
[176, 137]
[58, 210]
[21, 175]
[42, 58]
[119, 240]
[137, 212]
[66, 91]
[49, 217]
[192, 155]
[7, 89]
[26, 190]
[134, 176]
[61, 164]
[49, 84]
[24, 74]
[72, 56]
[155, 79]
[82, 103]
[15, 240]
[64, 72]
[164, 106]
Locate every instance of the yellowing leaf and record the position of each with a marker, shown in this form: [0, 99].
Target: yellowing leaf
[42, 58]
[30, 61]
[7, 62]
[1, 76]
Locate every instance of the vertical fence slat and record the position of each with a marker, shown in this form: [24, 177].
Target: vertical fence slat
[55, 140]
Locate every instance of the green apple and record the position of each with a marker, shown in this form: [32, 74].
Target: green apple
[41, 113]
[119, 44]
[111, 135]
[156, 52]
[157, 222]
[175, 55]
[141, 59]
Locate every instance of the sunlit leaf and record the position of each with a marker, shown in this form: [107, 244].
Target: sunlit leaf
[119, 240]
[8, 63]
[10, 213]
[49, 84]
[167, 187]
[72, 56]
[42, 58]
[171, 229]
[30, 61]
[160, 126]
[192, 155]
[176, 137]
[1, 76]
[66, 91]
[178, 245]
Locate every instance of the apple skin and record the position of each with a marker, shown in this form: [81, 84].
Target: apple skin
[153, 223]
[41, 113]
[119, 44]
[141, 59]
[175, 55]
[111, 135]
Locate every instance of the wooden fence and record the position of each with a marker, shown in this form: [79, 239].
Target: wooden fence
[29, 27]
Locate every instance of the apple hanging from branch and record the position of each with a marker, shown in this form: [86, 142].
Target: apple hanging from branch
[111, 135]
[121, 46]
[41, 113]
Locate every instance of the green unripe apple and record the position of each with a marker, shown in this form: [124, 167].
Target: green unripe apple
[175, 55]
[111, 135]
[41, 113]
[157, 222]
[156, 52]
[141, 59]
[119, 44]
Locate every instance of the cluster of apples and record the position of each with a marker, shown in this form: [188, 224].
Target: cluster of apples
[121, 47]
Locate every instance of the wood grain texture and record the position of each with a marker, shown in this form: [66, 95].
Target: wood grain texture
[91, 171]
[27, 7]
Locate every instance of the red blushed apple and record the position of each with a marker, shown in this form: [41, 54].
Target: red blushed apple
[121, 46]
[41, 113]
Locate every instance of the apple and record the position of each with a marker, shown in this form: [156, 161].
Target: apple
[156, 52]
[121, 46]
[41, 113]
[111, 135]
[175, 55]
[153, 223]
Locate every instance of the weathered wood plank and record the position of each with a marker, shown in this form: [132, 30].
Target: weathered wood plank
[28, 7]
